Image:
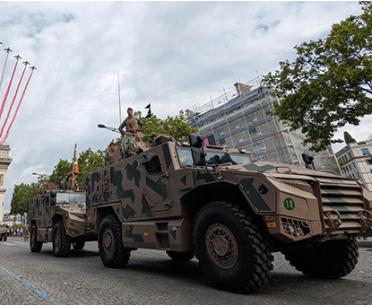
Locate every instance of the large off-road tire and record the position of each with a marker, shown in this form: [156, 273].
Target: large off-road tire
[331, 259]
[78, 245]
[1, 238]
[180, 256]
[35, 246]
[61, 242]
[110, 244]
[232, 250]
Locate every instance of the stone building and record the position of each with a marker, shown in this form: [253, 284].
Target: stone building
[242, 118]
[5, 161]
[355, 161]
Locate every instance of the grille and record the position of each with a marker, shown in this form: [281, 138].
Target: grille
[300, 184]
[343, 200]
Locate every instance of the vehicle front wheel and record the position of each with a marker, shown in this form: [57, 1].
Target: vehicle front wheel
[180, 256]
[331, 259]
[61, 242]
[35, 246]
[231, 249]
[111, 249]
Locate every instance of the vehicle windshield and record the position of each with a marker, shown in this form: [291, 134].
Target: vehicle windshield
[213, 157]
[71, 197]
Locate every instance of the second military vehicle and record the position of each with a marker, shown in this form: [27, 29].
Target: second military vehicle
[3, 233]
[58, 215]
[228, 211]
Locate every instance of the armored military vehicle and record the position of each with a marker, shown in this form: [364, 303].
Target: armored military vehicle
[58, 215]
[228, 211]
[3, 233]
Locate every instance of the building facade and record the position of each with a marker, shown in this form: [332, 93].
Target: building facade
[5, 161]
[355, 161]
[242, 118]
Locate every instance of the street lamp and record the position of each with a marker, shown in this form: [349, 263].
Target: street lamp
[39, 175]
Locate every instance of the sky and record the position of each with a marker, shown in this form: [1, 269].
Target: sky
[170, 54]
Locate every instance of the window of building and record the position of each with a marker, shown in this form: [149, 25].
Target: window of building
[365, 151]
[1, 179]
[369, 161]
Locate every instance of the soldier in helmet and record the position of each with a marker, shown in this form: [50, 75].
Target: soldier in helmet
[131, 123]
[134, 145]
[128, 129]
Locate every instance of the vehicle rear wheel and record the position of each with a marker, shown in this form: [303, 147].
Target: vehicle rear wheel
[61, 242]
[1, 238]
[331, 259]
[78, 245]
[231, 249]
[111, 249]
[180, 256]
[35, 246]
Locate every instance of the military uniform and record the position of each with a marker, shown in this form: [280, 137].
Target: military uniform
[133, 145]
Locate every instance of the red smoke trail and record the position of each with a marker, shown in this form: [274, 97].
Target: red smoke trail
[4, 68]
[7, 90]
[12, 103]
[17, 109]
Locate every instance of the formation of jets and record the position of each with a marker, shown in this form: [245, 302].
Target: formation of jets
[18, 57]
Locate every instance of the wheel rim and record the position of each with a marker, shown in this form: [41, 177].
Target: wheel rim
[222, 246]
[108, 242]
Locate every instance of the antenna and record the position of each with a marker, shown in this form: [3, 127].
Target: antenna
[119, 98]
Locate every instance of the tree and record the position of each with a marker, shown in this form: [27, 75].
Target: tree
[22, 194]
[89, 161]
[329, 84]
[176, 126]
[60, 171]
[348, 138]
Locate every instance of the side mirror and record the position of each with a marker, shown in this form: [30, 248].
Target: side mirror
[151, 163]
[195, 141]
[308, 160]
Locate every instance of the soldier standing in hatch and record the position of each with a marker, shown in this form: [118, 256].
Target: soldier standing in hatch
[128, 129]
[136, 145]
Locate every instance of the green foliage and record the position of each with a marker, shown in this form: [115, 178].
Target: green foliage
[22, 194]
[329, 84]
[348, 138]
[89, 161]
[60, 171]
[176, 126]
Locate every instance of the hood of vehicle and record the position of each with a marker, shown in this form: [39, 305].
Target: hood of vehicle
[275, 168]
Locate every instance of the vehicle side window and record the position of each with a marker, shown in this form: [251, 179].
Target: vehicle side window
[185, 156]
[152, 164]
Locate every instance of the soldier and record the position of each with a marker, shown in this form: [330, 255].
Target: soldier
[134, 145]
[110, 152]
[131, 125]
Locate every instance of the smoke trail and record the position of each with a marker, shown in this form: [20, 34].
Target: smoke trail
[8, 89]
[4, 68]
[13, 100]
[17, 109]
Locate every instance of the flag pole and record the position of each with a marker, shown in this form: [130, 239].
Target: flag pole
[119, 98]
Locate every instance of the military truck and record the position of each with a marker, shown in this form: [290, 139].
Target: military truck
[58, 216]
[230, 212]
[3, 233]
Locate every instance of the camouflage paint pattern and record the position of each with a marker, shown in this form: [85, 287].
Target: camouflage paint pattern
[43, 211]
[148, 193]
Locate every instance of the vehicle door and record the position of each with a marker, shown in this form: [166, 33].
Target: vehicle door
[155, 198]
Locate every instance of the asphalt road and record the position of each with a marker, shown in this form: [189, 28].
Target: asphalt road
[152, 278]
